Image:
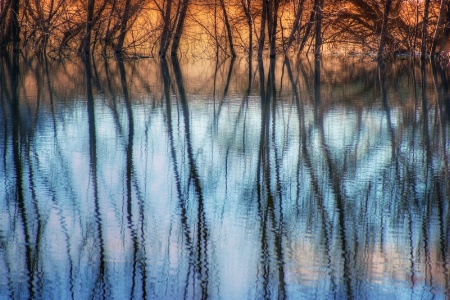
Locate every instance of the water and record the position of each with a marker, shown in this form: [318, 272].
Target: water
[191, 179]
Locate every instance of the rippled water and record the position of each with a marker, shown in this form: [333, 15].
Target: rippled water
[197, 179]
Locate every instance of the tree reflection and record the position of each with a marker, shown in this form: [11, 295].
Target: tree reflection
[19, 148]
[101, 285]
[197, 242]
[123, 182]
[139, 264]
[304, 156]
[270, 205]
[26, 217]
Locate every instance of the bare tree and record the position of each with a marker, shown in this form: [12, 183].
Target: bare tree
[228, 27]
[127, 18]
[307, 32]
[246, 6]
[165, 11]
[387, 10]
[262, 30]
[296, 25]
[272, 20]
[179, 27]
[318, 7]
[423, 47]
[173, 15]
[92, 17]
[9, 25]
[114, 24]
[437, 32]
[41, 19]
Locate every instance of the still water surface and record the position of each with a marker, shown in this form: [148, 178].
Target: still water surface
[228, 180]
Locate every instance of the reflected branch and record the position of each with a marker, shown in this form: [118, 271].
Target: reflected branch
[19, 172]
[202, 265]
[101, 280]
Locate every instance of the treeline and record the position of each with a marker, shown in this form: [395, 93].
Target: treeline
[58, 28]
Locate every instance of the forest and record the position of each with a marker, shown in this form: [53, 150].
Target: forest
[208, 28]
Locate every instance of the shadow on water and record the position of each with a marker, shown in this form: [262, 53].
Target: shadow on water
[294, 179]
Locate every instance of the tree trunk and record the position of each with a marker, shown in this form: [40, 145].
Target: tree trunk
[9, 25]
[250, 38]
[423, 48]
[387, 11]
[295, 25]
[416, 25]
[179, 28]
[437, 32]
[248, 16]
[312, 16]
[123, 27]
[272, 19]
[444, 40]
[227, 25]
[447, 21]
[86, 42]
[262, 34]
[5, 25]
[165, 35]
[216, 40]
[318, 28]
[15, 27]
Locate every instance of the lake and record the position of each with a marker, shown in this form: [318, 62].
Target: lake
[226, 179]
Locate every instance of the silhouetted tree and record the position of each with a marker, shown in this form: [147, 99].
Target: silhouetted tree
[262, 29]
[246, 6]
[228, 27]
[296, 25]
[9, 25]
[92, 17]
[179, 27]
[438, 30]
[423, 47]
[318, 8]
[386, 12]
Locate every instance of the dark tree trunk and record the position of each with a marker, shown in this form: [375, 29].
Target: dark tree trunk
[165, 35]
[179, 28]
[318, 28]
[295, 25]
[423, 47]
[9, 25]
[4, 25]
[248, 17]
[250, 38]
[387, 11]
[416, 25]
[262, 32]
[123, 27]
[312, 16]
[15, 29]
[91, 19]
[437, 33]
[447, 21]
[272, 19]
[228, 27]
[444, 38]
[86, 42]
